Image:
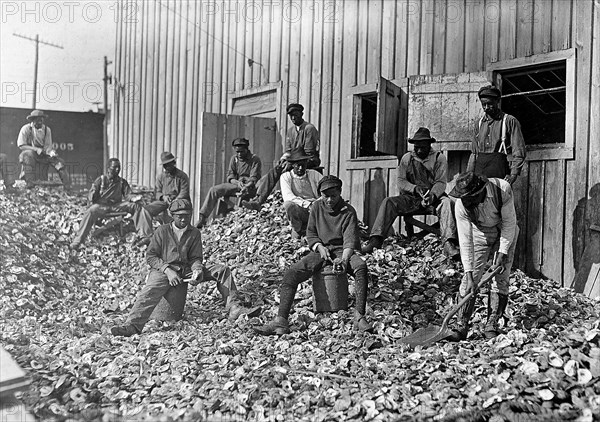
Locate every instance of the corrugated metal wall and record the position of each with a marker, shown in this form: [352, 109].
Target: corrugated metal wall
[177, 58]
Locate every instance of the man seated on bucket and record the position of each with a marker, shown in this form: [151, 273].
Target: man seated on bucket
[171, 184]
[422, 175]
[487, 222]
[112, 193]
[244, 171]
[332, 234]
[175, 252]
[299, 189]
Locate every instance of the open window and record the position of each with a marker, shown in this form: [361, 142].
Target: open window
[377, 121]
[540, 92]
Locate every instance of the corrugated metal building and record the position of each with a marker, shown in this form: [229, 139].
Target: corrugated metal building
[369, 73]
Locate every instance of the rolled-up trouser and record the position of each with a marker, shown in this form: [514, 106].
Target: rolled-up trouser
[141, 218]
[30, 159]
[157, 285]
[216, 192]
[395, 206]
[485, 244]
[298, 217]
[309, 265]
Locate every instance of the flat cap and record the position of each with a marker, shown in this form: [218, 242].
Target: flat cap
[328, 182]
[294, 107]
[180, 206]
[240, 142]
[489, 91]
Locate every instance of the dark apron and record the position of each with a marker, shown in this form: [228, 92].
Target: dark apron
[492, 164]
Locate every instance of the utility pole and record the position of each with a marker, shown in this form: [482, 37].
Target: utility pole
[35, 71]
[107, 79]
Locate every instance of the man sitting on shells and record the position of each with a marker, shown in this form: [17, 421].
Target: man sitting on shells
[175, 252]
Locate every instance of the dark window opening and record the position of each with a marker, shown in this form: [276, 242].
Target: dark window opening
[536, 96]
[368, 125]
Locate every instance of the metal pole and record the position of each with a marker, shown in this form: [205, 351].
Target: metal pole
[35, 70]
[105, 123]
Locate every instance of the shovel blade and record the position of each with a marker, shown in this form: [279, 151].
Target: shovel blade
[426, 336]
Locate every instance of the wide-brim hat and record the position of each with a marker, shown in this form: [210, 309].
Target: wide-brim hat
[328, 182]
[180, 206]
[166, 157]
[37, 113]
[297, 155]
[469, 184]
[421, 135]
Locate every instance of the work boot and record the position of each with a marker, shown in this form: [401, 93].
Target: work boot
[361, 324]
[201, 221]
[450, 250]
[278, 326]
[251, 205]
[374, 242]
[236, 309]
[124, 330]
[496, 306]
[461, 328]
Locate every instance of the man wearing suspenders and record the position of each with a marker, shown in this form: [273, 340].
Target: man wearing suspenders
[498, 148]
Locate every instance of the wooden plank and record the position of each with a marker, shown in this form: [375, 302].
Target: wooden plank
[553, 225]
[521, 195]
[326, 87]
[335, 90]
[535, 218]
[316, 70]
[226, 23]
[276, 24]
[526, 16]
[577, 169]
[542, 26]
[169, 78]
[183, 94]
[254, 8]
[393, 190]
[413, 42]
[362, 42]
[213, 48]
[508, 30]
[474, 34]
[491, 31]
[594, 151]
[440, 22]
[388, 39]
[357, 192]
[427, 28]
[161, 82]
[373, 52]
[401, 39]
[562, 19]
[248, 52]
[146, 98]
[455, 36]
[375, 192]
[184, 150]
[189, 162]
[240, 58]
[296, 49]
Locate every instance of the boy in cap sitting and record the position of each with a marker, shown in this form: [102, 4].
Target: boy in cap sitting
[244, 171]
[332, 233]
[486, 221]
[175, 251]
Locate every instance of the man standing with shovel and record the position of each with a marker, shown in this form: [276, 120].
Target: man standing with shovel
[486, 222]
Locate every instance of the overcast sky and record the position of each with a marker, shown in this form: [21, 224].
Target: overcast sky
[69, 79]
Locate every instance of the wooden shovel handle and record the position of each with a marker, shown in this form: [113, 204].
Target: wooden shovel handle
[484, 280]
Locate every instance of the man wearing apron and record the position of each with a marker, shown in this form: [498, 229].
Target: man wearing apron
[498, 148]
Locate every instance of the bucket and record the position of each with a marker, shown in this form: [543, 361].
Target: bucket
[171, 305]
[330, 290]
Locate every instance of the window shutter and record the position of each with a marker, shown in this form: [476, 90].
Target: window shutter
[447, 105]
[388, 117]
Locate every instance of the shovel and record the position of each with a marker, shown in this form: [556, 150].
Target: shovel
[432, 333]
